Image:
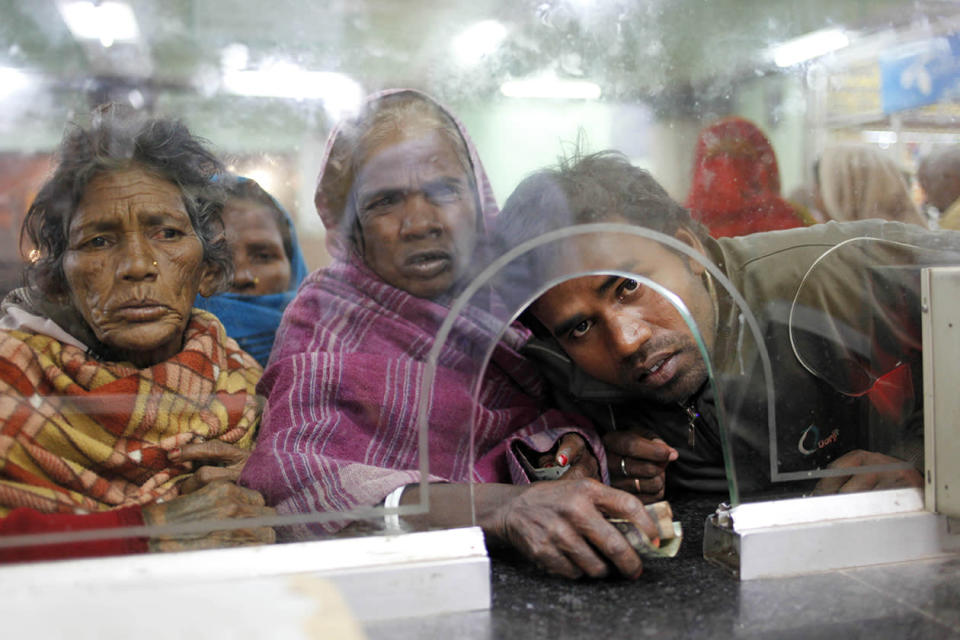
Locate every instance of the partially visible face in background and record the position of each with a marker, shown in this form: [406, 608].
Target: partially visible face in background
[261, 265]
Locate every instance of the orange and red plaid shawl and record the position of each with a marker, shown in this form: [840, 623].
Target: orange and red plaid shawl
[77, 434]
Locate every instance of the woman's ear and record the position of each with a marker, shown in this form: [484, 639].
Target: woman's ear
[688, 237]
[211, 280]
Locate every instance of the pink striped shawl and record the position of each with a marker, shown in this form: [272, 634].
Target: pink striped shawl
[343, 387]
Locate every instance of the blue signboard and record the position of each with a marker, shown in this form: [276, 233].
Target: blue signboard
[921, 73]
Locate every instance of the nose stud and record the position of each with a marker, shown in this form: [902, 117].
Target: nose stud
[256, 280]
[154, 263]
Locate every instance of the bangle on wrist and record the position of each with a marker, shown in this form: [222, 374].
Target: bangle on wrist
[391, 521]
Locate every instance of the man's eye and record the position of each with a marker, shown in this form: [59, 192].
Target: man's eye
[580, 330]
[627, 286]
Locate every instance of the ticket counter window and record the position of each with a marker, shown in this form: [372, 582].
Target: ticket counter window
[782, 371]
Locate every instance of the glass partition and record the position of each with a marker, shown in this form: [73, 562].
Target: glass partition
[606, 312]
[844, 341]
[811, 386]
[864, 341]
[383, 386]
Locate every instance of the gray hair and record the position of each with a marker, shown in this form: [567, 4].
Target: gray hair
[117, 139]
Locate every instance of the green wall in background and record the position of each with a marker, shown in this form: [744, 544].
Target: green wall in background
[516, 137]
[777, 105]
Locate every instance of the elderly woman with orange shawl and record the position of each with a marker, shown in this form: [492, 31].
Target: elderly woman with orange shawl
[111, 385]
[736, 182]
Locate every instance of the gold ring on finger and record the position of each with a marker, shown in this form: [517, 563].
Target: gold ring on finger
[636, 483]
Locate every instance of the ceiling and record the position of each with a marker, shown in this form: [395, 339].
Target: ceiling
[649, 58]
[668, 53]
[635, 47]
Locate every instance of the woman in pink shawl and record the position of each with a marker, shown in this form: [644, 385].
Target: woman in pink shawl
[406, 205]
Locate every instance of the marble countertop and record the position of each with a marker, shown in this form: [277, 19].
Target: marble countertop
[686, 597]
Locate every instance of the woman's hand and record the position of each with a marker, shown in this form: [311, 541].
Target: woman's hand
[560, 525]
[218, 460]
[573, 450]
[638, 464]
[219, 500]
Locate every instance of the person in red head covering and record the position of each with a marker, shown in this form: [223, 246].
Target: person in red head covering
[736, 182]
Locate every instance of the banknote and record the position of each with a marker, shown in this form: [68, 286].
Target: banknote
[670, 532]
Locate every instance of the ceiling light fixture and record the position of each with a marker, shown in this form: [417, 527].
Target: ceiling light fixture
[809, 46]
[234, 57]
[549, 86]
[340, 94]
[263, 176]
[478, 41]
[107, 22]
[12, 80]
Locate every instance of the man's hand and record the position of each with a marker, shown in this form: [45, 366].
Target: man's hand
[572, 450]
[643, 459]
[867, 481]
[219, 500]
[561, 526]
[218, 460]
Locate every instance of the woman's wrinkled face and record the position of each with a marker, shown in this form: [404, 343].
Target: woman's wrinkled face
[134, 264]
[260, 262]
[418, 214]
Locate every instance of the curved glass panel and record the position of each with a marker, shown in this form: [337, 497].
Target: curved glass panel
[840, 315]
[781, 429]
[854, 324]
[615, 339]
[854, 337]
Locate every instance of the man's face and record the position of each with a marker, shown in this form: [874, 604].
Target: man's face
[418, 214]
[624, 333]
[260, 262]
[134, 264]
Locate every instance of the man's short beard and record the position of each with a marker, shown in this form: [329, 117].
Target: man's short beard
[682, 386]
[680, 389]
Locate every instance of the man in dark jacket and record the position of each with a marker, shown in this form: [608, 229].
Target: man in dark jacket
[812, 336]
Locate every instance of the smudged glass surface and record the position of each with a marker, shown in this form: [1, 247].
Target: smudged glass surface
[533, 81]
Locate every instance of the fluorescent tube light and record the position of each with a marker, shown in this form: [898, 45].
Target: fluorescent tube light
[883, 138]
[551, 88]
[12, 80]
[809, 46]
[477, 41]
[340, 94]
[234, 57]
[107, 22]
